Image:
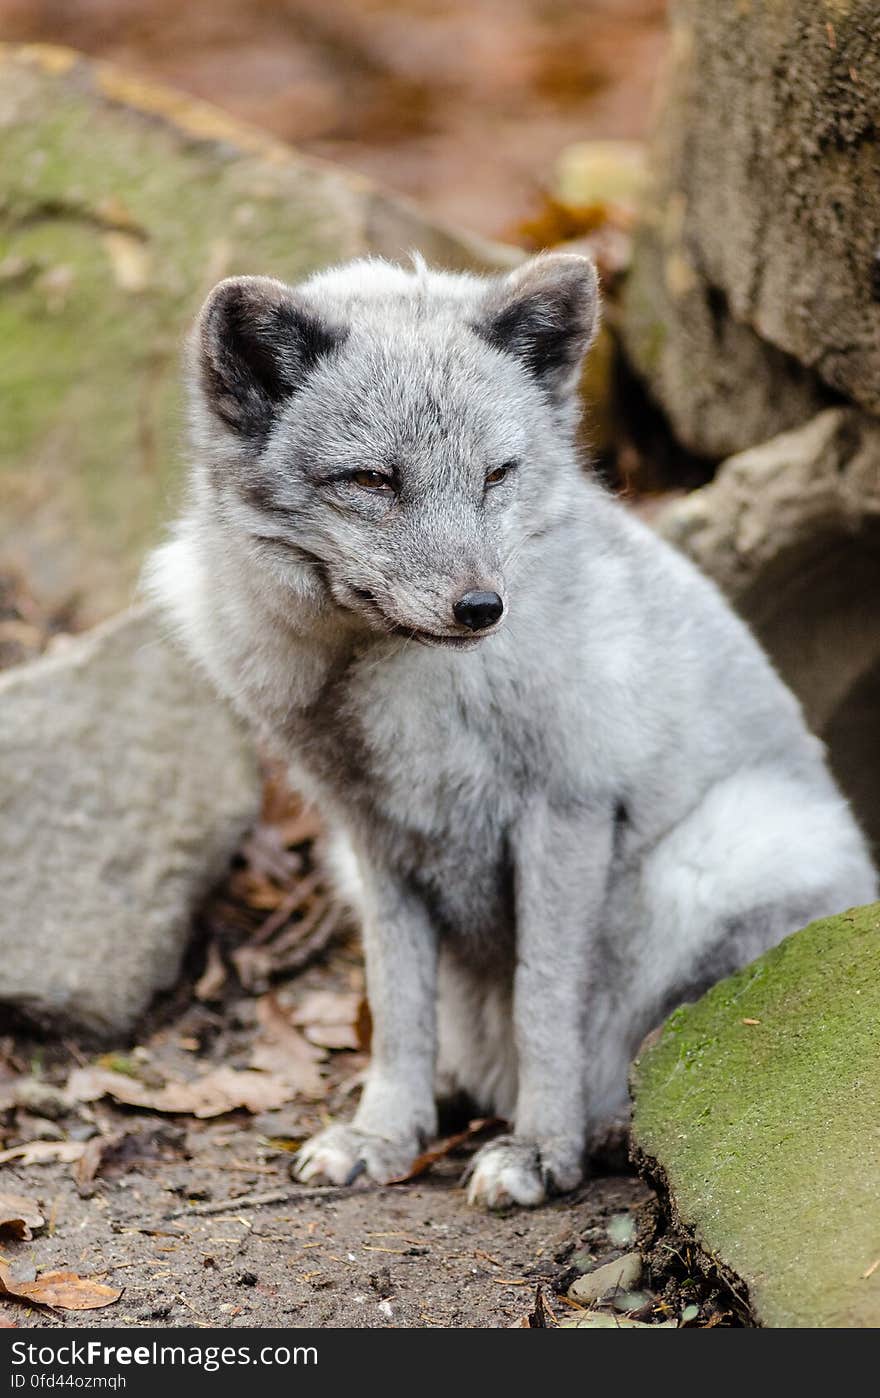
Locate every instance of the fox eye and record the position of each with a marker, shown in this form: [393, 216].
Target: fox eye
[371, 480]
[496, 476]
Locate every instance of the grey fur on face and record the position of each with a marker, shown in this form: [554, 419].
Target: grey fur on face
[564, 785]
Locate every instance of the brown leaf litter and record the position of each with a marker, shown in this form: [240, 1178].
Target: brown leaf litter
[63, 1291]
[19, 1216]
[116, 1152]
[42, 1152]
[282, 1052]
[275, 905]
[332, 1019]
[218, 1091]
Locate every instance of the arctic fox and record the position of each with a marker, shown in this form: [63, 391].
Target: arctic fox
[566, 789]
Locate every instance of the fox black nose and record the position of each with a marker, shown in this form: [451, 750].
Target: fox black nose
[477, 610]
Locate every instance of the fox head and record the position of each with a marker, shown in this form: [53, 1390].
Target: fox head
[386, 439]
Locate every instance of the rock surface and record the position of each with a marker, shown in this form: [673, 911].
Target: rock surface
[621, 1275]
[121, 203]
[603, 1320]
[791, 532]
[757, 1111]
[124, 789]
[756, 283]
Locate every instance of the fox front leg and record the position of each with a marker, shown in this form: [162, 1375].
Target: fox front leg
[397, 1113]
[562, 863]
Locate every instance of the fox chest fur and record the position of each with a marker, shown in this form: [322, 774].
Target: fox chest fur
[420, 769]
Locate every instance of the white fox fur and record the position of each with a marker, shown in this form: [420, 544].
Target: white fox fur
[554, 826]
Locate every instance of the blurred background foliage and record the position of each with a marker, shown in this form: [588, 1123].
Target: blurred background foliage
[461, 104]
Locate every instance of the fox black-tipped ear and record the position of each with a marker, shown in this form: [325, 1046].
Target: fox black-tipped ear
[255, 342]
[546, 314]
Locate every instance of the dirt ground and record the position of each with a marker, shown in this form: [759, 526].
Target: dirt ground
[142, 1180]
[170, 1207]
[413, 1255]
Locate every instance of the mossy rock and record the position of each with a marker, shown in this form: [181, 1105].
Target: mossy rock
[757, 1110]
[121, 203]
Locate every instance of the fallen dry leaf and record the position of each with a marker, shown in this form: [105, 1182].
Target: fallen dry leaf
[423, 1162]
[211, 982]
[288, 1143]
[536, 1319]
[63, 1291]
[364, 1025]
[122, 1150]
[19, 1215]
[253, 966]
[329, 1018]
[43, 1152]
[327, 1007]
[284, 1052]
[219, 1091]
[332, 1036]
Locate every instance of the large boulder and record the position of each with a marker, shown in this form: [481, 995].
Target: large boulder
[756, 282]
[791, 531]
[121, 203]
[125, 787]
[757, 1114]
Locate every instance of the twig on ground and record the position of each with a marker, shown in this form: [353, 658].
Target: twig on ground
[290, 904]
[257, 1201]
[311, 947]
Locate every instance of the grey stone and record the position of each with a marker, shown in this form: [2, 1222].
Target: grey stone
[622, 1229]
[620, 1276]
[791, 531]
[124, 788]
[602, 1320]
[756, 283]
[720, 385]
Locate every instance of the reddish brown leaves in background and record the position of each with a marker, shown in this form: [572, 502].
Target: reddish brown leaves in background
[276, 915]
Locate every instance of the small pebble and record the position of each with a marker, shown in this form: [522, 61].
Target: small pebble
[622, 1275]
[622, 1230]
[630, 1300]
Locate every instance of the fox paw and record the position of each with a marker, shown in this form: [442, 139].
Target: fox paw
[509, 1170]
[344, 1155]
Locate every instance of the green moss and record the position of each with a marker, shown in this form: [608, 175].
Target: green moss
[768, 1133]
[647, 330]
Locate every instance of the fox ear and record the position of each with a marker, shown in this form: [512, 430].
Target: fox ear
[255, 341]
[546, 314]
